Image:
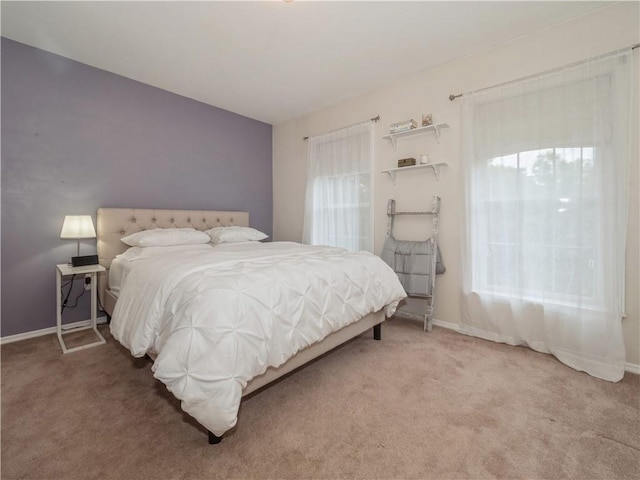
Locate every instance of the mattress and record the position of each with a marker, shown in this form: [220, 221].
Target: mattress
[117, 272]
[218, 316]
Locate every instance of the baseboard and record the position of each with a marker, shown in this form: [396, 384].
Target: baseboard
[48, 331]
[632, 368]
[629, 367]
[448, 325]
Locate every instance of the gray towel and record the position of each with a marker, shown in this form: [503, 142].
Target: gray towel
[412, 263]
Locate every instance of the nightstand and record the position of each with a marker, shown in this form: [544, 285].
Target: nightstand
[63, 270]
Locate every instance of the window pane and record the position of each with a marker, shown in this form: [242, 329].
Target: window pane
[541, 212]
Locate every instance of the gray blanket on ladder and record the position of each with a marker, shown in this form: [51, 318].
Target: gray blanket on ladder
[412, 263]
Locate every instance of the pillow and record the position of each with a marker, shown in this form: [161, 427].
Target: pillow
[164, 237]
[235, 234]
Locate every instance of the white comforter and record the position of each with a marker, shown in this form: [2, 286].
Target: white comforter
[218, 317]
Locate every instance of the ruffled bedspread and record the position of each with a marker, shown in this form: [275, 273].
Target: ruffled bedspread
[218, 318]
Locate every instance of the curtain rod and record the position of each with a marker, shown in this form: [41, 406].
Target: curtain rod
[452, 97]
[374, 119]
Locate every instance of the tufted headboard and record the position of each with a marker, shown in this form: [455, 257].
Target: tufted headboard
[115, 223]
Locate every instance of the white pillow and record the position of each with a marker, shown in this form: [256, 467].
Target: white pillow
[164, 237]
[235, 234]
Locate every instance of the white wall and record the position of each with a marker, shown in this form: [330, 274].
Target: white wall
[614, 27]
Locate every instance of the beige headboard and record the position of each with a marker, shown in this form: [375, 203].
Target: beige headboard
[115, 223]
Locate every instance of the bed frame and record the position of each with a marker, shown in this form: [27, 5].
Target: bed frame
[115, 223]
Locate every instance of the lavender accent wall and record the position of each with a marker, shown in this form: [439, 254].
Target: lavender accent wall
[76, 138]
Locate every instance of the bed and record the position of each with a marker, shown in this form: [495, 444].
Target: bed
[160, 295]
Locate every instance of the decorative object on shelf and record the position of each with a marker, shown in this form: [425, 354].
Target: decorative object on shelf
[403, 126]
[433, 166]
[424, 159]
[393, 137]
[77, 227]
[406, 162]
[427, 119]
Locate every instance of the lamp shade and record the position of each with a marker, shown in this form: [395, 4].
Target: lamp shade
[78, 226]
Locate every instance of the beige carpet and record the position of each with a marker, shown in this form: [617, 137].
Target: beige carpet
[415, 405]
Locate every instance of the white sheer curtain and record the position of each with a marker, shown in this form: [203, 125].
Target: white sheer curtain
[339, 195]
[545, 173]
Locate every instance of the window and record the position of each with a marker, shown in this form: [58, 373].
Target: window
[338, 210]
[342, 211]
[545, 164]
[542, 216]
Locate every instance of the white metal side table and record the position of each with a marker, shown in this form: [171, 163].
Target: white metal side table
[64, 270]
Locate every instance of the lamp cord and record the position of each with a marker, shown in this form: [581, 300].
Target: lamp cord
[75, 300]
[66, 299]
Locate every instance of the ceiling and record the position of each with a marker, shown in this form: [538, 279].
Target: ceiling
[271, 60]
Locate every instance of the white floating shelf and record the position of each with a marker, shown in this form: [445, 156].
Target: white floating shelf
[393, 137]
[435, 166]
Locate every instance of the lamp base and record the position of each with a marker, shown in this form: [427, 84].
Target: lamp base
[84, 260]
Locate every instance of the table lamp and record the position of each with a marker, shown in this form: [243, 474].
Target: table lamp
[79, 226]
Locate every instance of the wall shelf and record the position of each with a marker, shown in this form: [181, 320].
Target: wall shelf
[434, 166]
[393, 137]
